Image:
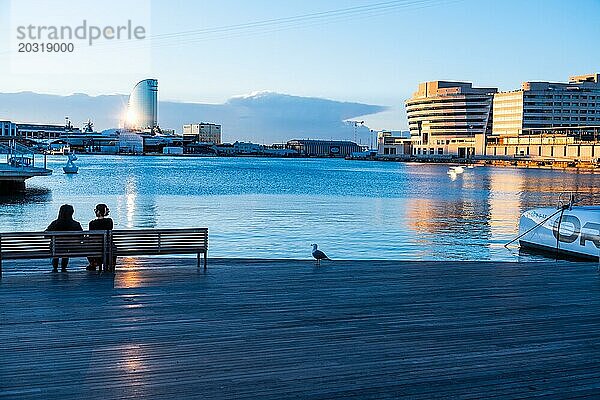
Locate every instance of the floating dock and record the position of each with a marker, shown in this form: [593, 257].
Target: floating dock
[19, 166]
[14, 178]
[161, 329]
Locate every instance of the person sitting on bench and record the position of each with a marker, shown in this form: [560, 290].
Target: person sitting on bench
[101, 223]
[64, 222]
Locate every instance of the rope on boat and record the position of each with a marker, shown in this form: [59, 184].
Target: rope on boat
[560, 210]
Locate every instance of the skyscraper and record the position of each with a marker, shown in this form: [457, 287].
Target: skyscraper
[142, 108]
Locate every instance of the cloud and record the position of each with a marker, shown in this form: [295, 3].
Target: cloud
[264, 117]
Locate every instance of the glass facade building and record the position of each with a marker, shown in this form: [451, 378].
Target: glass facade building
[142, 109]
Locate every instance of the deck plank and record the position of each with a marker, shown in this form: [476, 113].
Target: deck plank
[161, 328]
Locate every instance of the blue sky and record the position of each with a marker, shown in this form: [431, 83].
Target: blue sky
[376, 57]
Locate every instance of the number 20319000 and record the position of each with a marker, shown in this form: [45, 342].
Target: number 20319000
[46, 47]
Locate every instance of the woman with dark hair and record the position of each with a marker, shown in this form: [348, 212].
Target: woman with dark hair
[101, 223]
[64, 222]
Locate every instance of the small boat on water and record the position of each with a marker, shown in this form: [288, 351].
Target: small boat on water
[71, 168]
[569, 230]
[456, 170]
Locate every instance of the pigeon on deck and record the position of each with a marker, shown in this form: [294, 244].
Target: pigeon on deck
[318, 254]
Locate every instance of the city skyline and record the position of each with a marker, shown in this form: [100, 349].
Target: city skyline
[338, 50]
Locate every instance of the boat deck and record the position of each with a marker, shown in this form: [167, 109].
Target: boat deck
[161, 328]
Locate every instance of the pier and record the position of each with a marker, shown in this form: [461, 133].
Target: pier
[19, 166]
[161, 328]
[14, 178]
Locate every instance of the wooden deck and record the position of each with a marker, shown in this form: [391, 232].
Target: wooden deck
[278, 330]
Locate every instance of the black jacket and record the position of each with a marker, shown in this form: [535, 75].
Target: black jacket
[104, 224]
[64, 225]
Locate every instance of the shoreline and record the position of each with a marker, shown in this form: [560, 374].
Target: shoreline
[562, 165]
[41, 267]
[503, 163]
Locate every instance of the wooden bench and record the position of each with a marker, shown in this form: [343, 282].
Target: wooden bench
[103, 244]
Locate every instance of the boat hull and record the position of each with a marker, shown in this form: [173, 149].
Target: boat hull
[69, 170]
[572, 233]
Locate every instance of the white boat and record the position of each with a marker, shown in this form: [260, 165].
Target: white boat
[71, 168]
[456, 170]
[569, 230]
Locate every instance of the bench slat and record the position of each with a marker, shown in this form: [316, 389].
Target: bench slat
[171, 230]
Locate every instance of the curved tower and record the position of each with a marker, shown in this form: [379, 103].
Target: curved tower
[142, 108]
[450, 118]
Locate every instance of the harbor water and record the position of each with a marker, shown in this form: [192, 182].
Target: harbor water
[275, 208]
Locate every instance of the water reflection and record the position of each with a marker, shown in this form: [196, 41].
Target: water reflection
[139, 209]
[30, 195]
[133, 369]
[130, 201]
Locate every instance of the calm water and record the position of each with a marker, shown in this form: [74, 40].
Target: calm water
[275, 208]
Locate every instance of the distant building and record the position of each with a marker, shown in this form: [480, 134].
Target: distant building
[130, 142]
[247, 148]
[223, 149]
[176, 150]
[142, 108]
[167, 132]
[278, 152]
[154, 143]
[540, 105]
[93, 142]
[394, 143]
[44, 131]
[581, 143]
[8, 128]
[59, 146]
[323, 148]
[202, 132]
[449, 118]
[199, 148]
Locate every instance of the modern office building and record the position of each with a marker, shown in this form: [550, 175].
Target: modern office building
[202, 132]
[449, 118]
[142, 108]
[541, 105]
[323, 148]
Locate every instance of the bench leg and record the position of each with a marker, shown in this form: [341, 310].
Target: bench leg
[205, 260]
[198, 259]
[0, 267]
